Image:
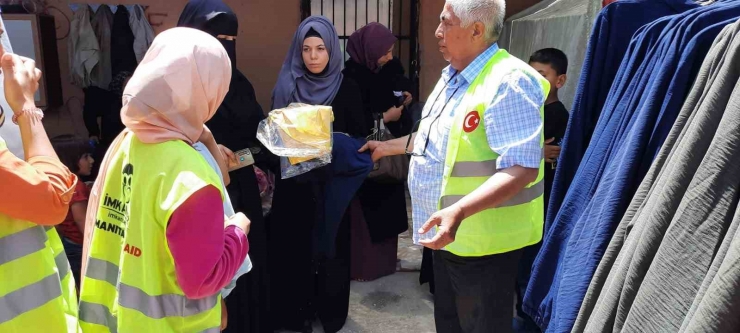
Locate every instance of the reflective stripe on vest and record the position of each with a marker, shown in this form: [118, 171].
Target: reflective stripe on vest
[21, 244]
[102, 270]
[98, 314]
[485, 168]
[526, 195]
[29, 297]
[162, 306]
[155, 307]
[62, 265]
[474, 169]
[469, 162]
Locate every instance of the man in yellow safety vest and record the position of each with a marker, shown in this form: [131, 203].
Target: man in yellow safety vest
[477, 168]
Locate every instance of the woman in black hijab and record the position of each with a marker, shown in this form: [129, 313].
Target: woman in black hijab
[235, 126]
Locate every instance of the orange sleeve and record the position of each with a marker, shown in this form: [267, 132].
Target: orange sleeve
[38, 191]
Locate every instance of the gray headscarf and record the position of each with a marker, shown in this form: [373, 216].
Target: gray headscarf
[295, 83]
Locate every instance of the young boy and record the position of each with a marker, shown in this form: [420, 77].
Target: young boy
[553, 65]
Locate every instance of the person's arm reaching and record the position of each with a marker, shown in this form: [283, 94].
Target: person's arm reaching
[42, 182]
[206, 254]
[381, 149]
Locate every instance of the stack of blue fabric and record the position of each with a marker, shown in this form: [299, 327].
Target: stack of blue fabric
[647, 93]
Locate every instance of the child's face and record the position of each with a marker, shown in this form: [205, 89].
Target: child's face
[85, 165]
[556, 81]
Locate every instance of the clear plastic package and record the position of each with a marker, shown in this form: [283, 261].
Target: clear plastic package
[301, 135]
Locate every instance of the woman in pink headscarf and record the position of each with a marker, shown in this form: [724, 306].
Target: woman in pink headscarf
[158, 247]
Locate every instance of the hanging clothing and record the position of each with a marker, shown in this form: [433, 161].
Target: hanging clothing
[694, 159]
[82, 48]
[142, 30]
[123, 57]
[102, 23]
[607, 46]
[716, 303]
[235, 126]
[632, 128]
[106, 105]
[556, 122]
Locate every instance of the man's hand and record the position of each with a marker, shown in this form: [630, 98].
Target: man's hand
[376, 148]
[448, 220]
[552, 152]
[21, 80]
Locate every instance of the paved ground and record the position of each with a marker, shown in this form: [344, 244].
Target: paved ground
[393, 304]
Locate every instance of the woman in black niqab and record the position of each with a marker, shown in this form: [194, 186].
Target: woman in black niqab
[235, 126]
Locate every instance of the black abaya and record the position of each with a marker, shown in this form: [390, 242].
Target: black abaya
[303, 286]
[235, 126]
[383, 204]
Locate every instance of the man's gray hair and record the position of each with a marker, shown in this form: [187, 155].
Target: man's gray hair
[489, 12]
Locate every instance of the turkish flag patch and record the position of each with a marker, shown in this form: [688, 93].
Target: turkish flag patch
[472, 120]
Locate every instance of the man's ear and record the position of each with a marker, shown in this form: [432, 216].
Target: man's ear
[479, 30]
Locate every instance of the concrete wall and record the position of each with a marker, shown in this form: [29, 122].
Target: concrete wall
[431, 60]
[265, 29]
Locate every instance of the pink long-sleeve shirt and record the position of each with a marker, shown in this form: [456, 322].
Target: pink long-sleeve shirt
[206, 255]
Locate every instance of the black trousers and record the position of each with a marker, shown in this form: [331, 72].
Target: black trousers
[474, 294]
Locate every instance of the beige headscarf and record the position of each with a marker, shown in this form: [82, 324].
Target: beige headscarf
[176, 88]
